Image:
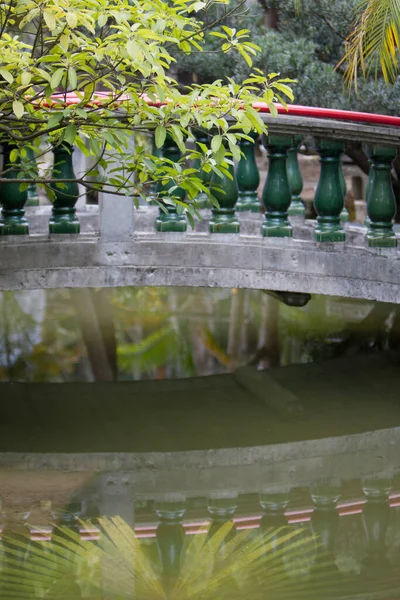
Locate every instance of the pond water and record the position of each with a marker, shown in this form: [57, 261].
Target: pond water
[198, 443]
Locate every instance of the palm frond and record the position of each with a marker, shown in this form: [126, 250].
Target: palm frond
[221, 565]
[374, 41]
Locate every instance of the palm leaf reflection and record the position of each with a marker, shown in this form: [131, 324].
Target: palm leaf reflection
[121, 566]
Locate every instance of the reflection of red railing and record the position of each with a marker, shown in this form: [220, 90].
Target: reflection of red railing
[293, 110]
[345, 509]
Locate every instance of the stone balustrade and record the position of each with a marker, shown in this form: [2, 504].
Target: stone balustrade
[252, 216]
[280, 194]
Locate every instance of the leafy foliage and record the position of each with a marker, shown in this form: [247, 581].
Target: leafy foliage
[307, 46]
[115, 58]
[119, 564]
[373, 45]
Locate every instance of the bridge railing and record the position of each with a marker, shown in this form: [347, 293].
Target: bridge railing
[281, 192]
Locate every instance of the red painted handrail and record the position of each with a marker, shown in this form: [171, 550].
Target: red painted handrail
[315, 112]
[293, 110]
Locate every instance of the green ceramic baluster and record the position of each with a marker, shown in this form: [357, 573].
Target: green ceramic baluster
[344, 215]
[171, 221]
[248, 177]
[367, 221]
[12, 198]
[33, 196]
[296, 207]
[63, 219]
[170, 539]
[202, 199]
[329, 199]
[224, 219]
[381, 202]
[277, 194]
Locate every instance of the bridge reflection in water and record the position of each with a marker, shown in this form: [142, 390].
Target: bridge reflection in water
[108, 492]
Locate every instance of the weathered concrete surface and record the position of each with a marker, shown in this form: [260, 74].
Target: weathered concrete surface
[197, 258]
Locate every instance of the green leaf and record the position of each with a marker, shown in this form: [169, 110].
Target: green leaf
[72, 77]
[245, 56]
[132, 49]
[26, 78]
[54, 119]
[285, 89]
[160, 135]
[18, 108]
[14, 155]
[177, 136]
[216, 143]
[102, 20]
[70, 134]
[72, 19]
[50, 20]
[6, 75]
[56, 78]
[274, 110]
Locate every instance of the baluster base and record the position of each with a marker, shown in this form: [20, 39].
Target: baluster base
[381, 235]
[248, 201]
[296, 208]
[64, 223]
[329, 229]
[224, 221]
[14, 223]
[276, 225]
[171, 223]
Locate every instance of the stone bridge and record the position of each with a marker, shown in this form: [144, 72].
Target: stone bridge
[119, 245]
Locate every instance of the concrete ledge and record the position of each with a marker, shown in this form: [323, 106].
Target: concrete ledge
[201, 260]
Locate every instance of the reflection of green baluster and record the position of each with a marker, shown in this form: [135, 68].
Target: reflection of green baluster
[221, 508]
[273, 526]
[170, 221]
[202, 199]
[277, 195]
[170, 539]
[344, 215]
[381, 199]
[248, 177]
[12, 198]
[224, 219]
[296, 207]
[376, 519]
[63, 219]
[89, 568]
[298, 563]
[329, 199]
[40, 523]
[69, 523]
[325, 521]
[33, 196]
